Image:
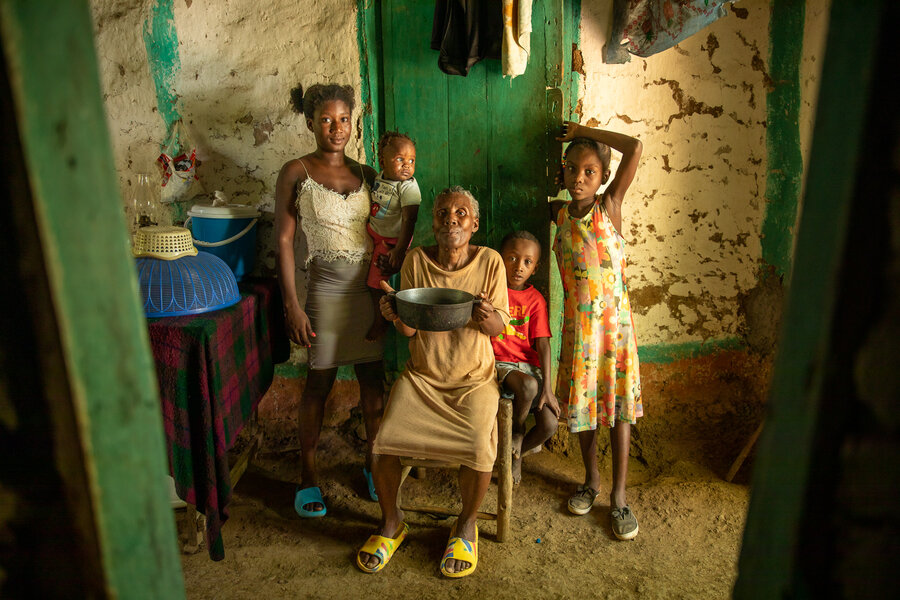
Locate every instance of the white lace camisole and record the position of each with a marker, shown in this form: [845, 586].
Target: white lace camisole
[334, 224]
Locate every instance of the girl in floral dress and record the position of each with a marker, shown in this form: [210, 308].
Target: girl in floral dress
[598, 370]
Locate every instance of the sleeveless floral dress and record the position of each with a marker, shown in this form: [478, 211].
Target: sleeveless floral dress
[598, 368]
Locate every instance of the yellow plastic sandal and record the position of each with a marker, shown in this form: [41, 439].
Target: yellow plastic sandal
[460, 549]
[382, 547]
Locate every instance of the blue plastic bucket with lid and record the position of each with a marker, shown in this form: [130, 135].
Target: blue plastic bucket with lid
[227, 231]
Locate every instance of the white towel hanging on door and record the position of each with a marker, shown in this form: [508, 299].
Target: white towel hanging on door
[516, 36]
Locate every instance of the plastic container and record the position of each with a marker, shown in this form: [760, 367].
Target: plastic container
[188, 285]
[227, 231]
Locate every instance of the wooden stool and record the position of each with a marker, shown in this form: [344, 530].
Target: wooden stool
[504, 475]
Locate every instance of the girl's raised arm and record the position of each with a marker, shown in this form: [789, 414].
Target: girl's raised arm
[629, 147]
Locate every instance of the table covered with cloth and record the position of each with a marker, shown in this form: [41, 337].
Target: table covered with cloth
[213, 369]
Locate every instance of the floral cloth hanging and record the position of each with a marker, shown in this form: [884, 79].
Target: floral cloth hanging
[646, 27]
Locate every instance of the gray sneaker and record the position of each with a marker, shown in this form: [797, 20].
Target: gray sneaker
[583, 500]
[624, 523]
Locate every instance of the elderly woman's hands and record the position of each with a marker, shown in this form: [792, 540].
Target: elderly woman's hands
[486, 316]
[384, 304]
[387, 311]
[482, 310]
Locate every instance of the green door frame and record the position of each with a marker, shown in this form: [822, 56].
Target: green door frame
[48, 49]
[786, 447]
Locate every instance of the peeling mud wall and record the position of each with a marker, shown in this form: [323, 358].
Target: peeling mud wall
[695, 213]
[693, 217]
[226, 69]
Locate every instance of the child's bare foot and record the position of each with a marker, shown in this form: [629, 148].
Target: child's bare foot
[517, 457]
[377, 330]
[517, 444]
[533, 450]
[517, 469]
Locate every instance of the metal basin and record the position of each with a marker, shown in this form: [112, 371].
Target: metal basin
[433, 309]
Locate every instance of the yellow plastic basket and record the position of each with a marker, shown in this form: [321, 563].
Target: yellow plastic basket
[166, 243]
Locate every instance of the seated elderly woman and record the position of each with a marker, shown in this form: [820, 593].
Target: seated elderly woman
[444, 405]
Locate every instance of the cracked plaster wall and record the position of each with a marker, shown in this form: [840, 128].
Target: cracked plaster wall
[694, 213]
[239, 60]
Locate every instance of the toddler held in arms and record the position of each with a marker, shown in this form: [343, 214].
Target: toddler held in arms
[395, 206]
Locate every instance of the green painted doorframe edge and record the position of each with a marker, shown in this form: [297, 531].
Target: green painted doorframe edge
[368, 37]
[49, 49]
[163, 58]
[570, 86]
[572, 40]
[785, 449]
[784, 171]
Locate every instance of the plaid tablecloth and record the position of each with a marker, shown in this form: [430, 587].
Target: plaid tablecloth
[213, 369]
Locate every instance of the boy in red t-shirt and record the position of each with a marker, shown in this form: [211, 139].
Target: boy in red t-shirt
[523, 348]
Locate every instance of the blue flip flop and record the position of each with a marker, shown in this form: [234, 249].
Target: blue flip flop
[368, 475]
[307, 496]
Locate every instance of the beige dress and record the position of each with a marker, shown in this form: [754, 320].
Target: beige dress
[444, 405]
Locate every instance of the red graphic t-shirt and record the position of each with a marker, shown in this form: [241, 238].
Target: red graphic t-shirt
[527, 322]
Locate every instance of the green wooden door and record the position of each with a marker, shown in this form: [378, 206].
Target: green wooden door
[488, 133]
[491, 134]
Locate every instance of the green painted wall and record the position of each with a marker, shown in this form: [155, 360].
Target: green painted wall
[485, 132]
[49, 50]
[161, 43]
[368, 39]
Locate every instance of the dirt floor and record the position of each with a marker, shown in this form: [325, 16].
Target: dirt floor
[691, 523]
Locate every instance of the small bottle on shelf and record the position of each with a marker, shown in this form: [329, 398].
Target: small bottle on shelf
[146, 206]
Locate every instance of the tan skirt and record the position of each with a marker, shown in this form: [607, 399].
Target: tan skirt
[340, 310]
[454, 425]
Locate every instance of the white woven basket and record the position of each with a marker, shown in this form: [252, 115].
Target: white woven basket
[166, 243]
